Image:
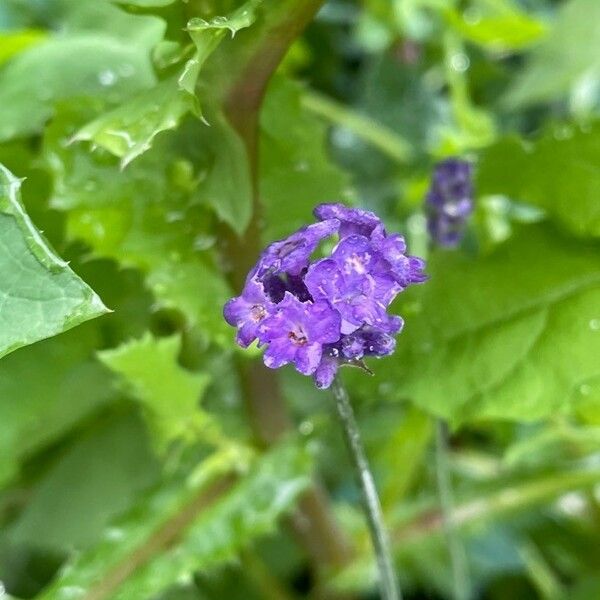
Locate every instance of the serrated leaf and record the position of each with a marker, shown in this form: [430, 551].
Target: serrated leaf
[206, 33]
[184, 528]
[146, 217]
[40, 295]
[96, 479]
[563, 58]
[169, 395]
[558, 172]
[103, 53]
[129, 130]
[508, 319]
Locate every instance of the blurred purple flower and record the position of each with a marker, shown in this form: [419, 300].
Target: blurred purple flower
[449, 202]
[320, 314]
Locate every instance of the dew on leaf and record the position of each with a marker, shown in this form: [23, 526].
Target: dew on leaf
[306, 427]
[460, 62]
[107, 77]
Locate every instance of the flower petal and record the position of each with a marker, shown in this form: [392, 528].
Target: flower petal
[278, 353]
[326, 371]
[308, 357]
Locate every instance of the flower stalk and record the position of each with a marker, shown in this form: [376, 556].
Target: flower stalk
[388, 582]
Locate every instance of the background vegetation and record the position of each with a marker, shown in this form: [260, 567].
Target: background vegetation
[143, 455]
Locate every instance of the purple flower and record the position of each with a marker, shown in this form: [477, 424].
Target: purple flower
[320, 314]
[292, 254]
[404, 268]
[352, 220]
[326, 371]
[296, 333]
[449, 202]
[369, 341]
[357, 282]
[246, 312]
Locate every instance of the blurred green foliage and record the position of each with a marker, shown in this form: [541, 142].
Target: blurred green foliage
[132, 465]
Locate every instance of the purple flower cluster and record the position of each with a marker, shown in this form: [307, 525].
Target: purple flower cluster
[449, 202]
[320, 314]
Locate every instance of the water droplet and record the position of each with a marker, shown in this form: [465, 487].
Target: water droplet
[585, 389]
[563, 132]
[344, 138]
[203, 242]
[114, 534]
[107, 77]
[460, 62]
[174, 215]
[595, 324]
[301, 166]
[306, 427]
[71, 591]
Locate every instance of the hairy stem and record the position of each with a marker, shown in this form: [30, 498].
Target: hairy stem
[390, 589]
[458, 559]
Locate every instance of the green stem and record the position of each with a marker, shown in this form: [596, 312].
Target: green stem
[458, 559]
[387, 577]
[371, 131]
[513, 497]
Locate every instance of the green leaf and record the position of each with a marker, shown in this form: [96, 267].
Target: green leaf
[103, 52]
[563, 59]
[96, 479]
[207, 33]
[228, 185]
[169, 395]
[39, 405]
[145, 3]
[492, 350]
[183, 528]
[147, 217]
[557, 172]
[13, 42]
[500, 26]
[40, 295]
[296, 171]
[129, 130]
